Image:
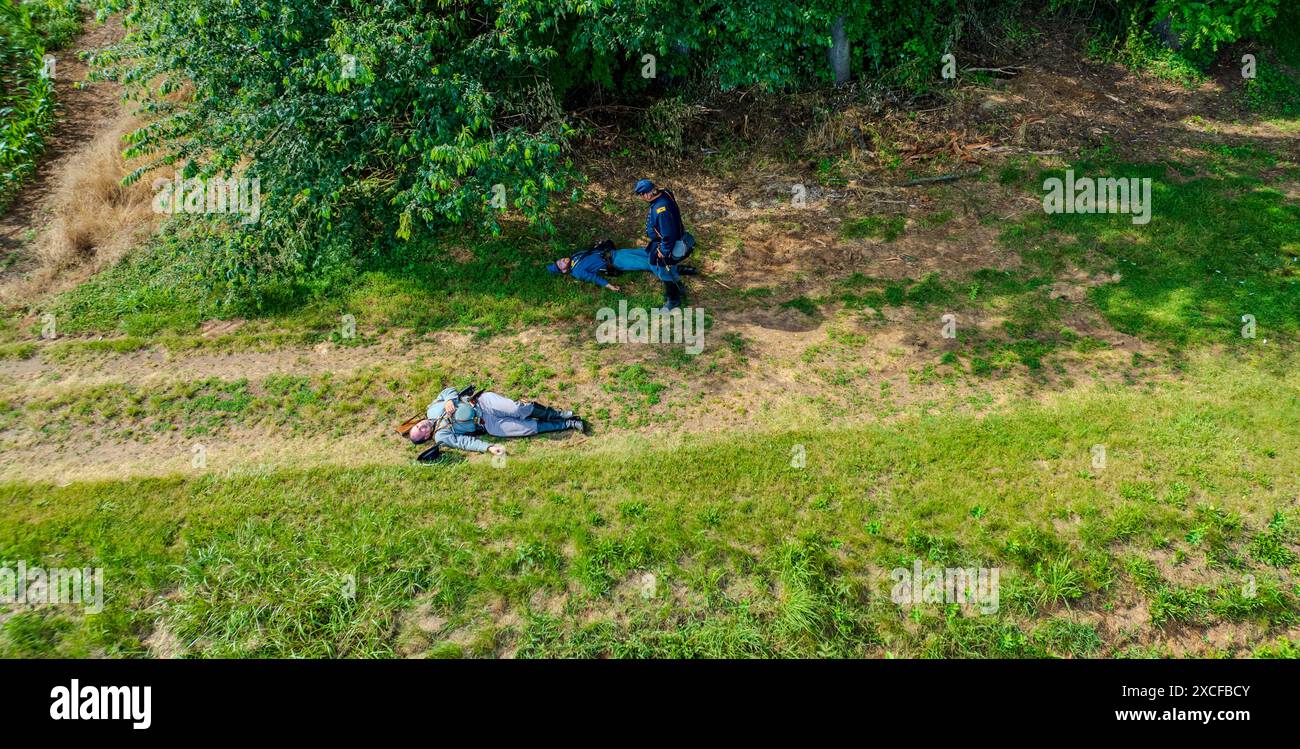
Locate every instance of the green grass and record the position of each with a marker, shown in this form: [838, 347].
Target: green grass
[749, 555]
[24, 350]
[493, 286]
[639, 392]
[1217, 248]
[887, 228]
[802, 304]
[1142, 53]
[1275, 90]
[1223, 242]
[369, 399]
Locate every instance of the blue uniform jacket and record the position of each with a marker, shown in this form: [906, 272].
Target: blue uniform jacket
[663, 225]
[586, 267]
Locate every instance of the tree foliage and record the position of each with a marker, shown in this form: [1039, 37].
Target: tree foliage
[1205, 26]
[372, 121]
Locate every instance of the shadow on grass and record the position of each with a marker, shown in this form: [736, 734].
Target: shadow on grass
[1221, 244]
[488, 286]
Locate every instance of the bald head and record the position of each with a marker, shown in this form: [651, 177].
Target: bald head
[421, 432]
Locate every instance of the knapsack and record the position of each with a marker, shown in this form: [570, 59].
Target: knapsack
[465, 419]
[606, 249]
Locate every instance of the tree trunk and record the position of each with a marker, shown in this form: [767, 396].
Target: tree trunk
[839, 52]
[1165, 30]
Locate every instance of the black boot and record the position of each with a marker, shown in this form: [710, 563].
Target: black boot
[545, 413]
[672, 296]
[688, 270]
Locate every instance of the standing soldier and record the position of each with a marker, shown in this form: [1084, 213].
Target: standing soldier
[670, 243]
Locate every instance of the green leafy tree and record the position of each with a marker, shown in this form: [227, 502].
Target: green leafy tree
[370, 122]
[1203, 27]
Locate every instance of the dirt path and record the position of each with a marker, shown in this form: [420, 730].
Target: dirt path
[790, 376]
[152, 366]
[82, 112]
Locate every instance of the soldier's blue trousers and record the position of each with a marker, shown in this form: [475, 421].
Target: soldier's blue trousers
[638, 259]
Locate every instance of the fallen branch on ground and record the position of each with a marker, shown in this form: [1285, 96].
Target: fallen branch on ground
[1008, 70]
[941, 178]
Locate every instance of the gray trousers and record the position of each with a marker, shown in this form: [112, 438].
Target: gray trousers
[503, 417]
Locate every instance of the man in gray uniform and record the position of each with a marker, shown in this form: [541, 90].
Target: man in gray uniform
[455, 419]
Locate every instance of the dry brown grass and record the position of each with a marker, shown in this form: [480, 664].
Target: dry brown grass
[95, 219]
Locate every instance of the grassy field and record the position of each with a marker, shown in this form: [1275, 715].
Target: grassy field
[1183, 542]
[747, 553]
[1101, 431]
[1225, 243]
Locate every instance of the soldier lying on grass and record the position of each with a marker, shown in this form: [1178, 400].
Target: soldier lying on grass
[455, 418]
[605, 258]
